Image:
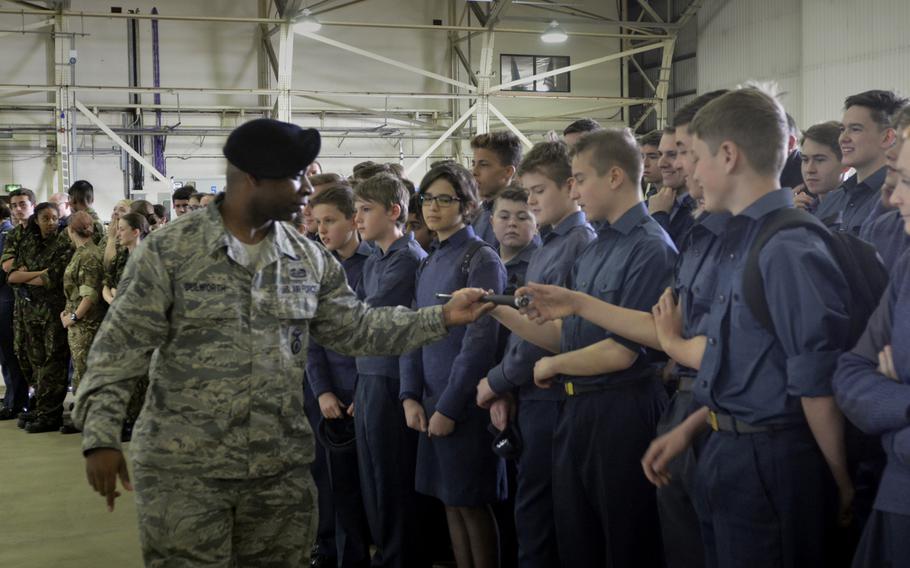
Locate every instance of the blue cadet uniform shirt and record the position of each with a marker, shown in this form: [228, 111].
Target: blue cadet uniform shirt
[629, 264]
[550, 264]
[328, 370]
[227, 348]
[678, 221]
[886, 233]
[517, 266]
[449, 370]
[388, 280]
[483, 224]
[849, 206]
[875, 403]
[748, 372]
[696, 275]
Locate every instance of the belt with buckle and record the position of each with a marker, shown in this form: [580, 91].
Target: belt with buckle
[725, 423]
[575, 388]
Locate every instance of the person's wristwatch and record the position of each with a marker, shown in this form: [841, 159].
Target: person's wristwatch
[73, 317]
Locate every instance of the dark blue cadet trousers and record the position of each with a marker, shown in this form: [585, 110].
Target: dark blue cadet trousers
[604, 506]
[16, 397]
[325, 528]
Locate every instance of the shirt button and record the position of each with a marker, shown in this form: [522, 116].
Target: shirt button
[732, 256]
[851, 205]
[721, 298]
[712, 341]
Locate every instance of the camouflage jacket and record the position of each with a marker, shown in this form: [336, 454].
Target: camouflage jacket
[115, 271]
[227, 348]
[38, 253]
[82, 279]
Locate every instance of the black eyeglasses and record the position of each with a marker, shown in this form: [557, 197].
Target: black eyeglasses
[441, 200]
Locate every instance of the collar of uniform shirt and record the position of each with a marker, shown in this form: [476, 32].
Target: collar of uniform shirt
[574, 220]
[777, 199]
[629, 220]
[525, 254]
[401, 242]
[456, 239]
[216, 236]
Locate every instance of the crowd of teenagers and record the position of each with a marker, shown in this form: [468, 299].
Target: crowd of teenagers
[709, 372]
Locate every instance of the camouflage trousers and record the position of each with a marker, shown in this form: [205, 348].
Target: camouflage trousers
[48, 354]
[188, 521]
[80, 335]
[20, 340]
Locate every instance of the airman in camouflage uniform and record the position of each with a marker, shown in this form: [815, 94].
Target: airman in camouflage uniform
[221, 450]
[82, 279]
[47, 348]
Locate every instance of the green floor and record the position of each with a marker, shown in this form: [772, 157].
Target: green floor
[50, 516]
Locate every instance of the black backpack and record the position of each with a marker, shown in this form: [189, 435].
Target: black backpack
[867, 278]
[858, 260]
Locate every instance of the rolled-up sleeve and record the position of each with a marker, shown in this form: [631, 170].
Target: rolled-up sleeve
[798, 270]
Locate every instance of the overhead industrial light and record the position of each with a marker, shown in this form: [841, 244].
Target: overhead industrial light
[554, 33]
[306, 23]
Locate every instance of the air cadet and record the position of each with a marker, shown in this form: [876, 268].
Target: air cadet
[15, 398]
[651, 177]
[415, 225]
[222, 304]
[181, 200]
[496, 158]
[579, 128]
[546, 172]
[40, 263]
[454, 460]
[22, 206]
[886, 232]
[822, 166]
[768, 478]
[605, 509]
[386, 447]
[672, 206]
[866, 134]
[82, 282]
[332, 377]
[872, 385]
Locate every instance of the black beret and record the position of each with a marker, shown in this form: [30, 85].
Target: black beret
[271, 149]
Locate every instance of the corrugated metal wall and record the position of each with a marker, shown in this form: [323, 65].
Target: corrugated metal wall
[818, 51]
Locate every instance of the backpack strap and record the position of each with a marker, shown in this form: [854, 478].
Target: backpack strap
[753, 285]
[468, 258]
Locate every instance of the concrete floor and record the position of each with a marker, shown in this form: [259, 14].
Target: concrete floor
[50, 515]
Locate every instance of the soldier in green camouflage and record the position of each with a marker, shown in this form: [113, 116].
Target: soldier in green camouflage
[43, 256]
[219, 307]
[82, 196]
[22, 206]
[82, 286]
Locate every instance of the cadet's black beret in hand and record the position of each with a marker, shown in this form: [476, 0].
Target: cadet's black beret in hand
[271, 149]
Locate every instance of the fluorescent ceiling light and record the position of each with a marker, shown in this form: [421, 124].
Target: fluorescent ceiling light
[306, 23]
[554, 33]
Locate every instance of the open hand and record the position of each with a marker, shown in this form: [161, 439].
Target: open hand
[548, 302]
[660, 453]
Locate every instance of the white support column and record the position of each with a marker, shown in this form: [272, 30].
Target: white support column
[285, 71]
[63, 104]
[93, 118]
[445, 136]
[663, 82]
[484, 78]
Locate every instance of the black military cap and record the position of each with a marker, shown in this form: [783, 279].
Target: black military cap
[271, 149]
